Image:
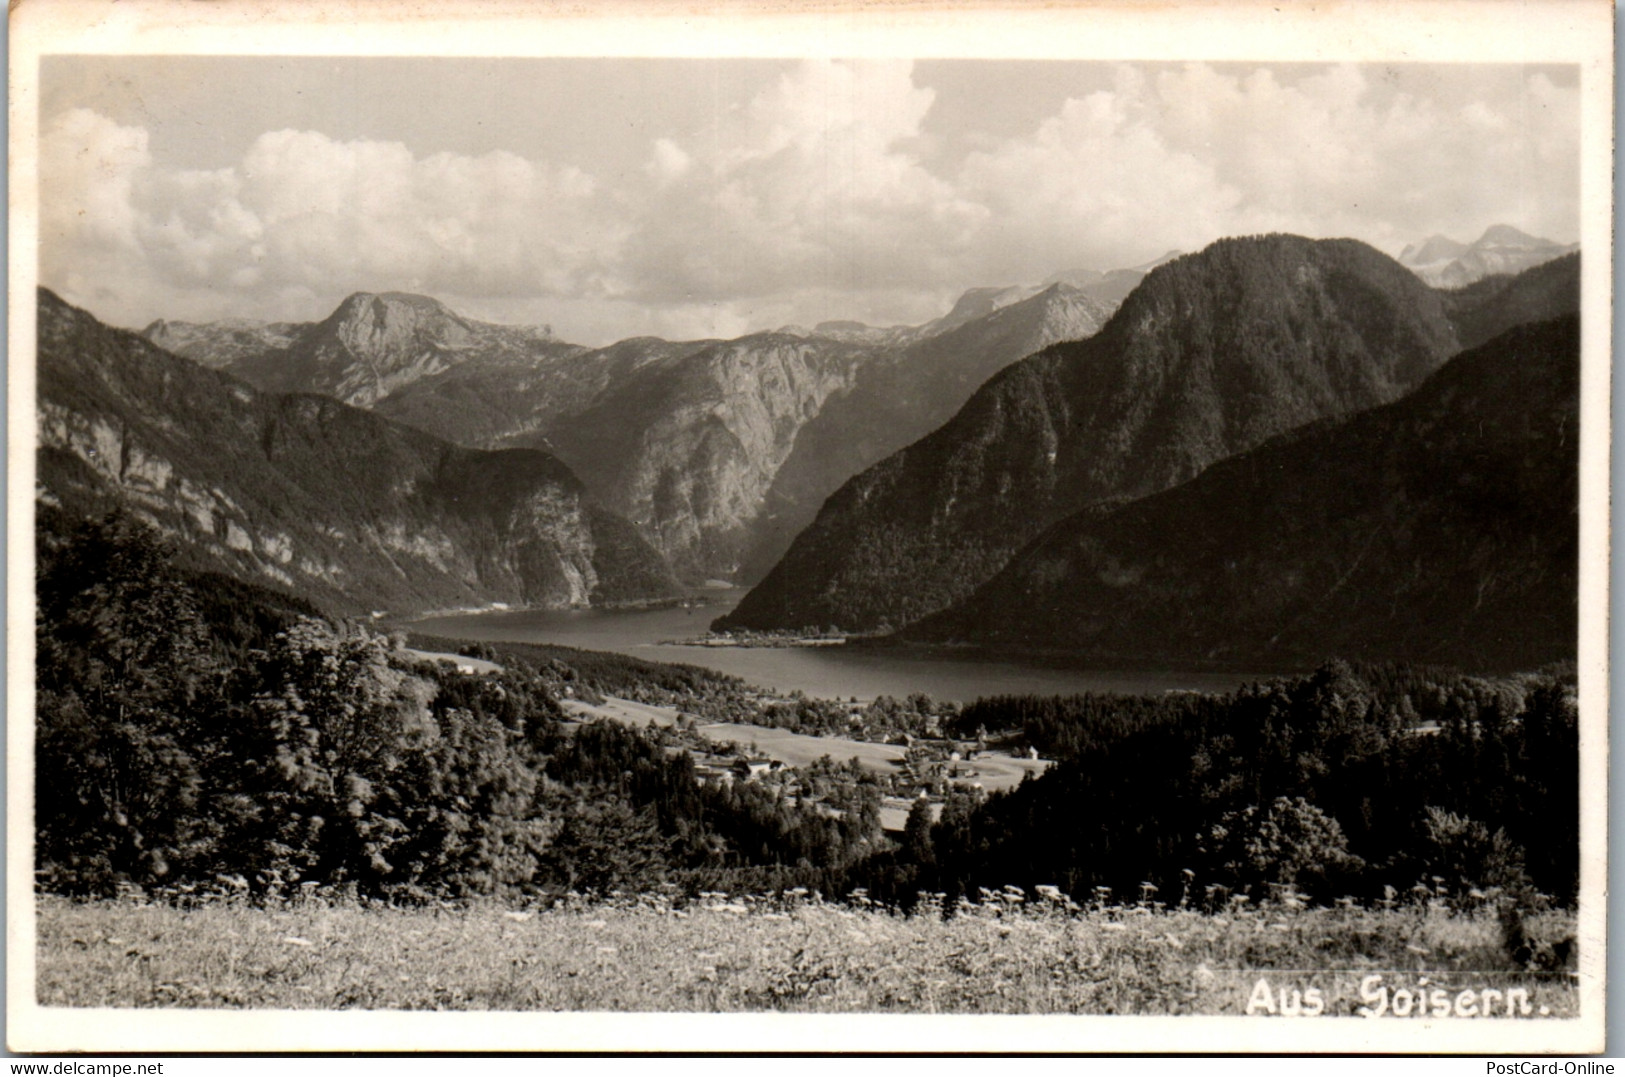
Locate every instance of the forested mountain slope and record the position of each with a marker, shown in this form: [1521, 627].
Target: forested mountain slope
[1213, 354]
[1442, 528]
[1489, 307]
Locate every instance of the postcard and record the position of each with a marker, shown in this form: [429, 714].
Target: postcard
[846, 527]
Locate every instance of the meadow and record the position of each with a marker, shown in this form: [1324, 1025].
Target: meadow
[993, 772]
[1006, 953]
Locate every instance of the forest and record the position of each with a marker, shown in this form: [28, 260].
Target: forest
[1347, 782]
[196, 734]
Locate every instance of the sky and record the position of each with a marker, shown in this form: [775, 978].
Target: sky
[689, 198]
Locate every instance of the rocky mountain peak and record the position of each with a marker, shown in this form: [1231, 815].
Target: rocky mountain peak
[375, 343]
[1260, 283]
[1435, 248]
[370, 324]
[1501, 250]
[980, 302]
[220, 344]
[1504, 235]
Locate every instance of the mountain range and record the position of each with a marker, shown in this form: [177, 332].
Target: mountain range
[1489, 307]
[704, 445]
[367, 348]
[1501, 250]
[329, 501]
[1211, 355]
[720, 451]
[1441, 528]
[222, 344]
[1064, 469]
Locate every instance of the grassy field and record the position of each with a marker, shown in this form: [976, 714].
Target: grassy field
[722, 954]
[994, 772]
[625, 711]
[461, 661]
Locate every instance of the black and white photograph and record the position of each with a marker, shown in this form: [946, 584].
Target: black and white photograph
[622, 530]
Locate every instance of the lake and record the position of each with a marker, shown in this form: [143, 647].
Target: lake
[825, 672]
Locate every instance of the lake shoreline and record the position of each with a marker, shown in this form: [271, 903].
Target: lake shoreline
[767, 643]
[972, 652]
[859, 667]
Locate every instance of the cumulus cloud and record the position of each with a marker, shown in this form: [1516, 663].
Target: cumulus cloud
[1097, 186]
[805, 186]
[305, 214]
[825, 195]
[89, 225]
[1177, 159]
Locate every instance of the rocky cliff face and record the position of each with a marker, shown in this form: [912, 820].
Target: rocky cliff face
[903, 395]
[1210, 356]
[331, 502]
[506, 400]
[1440, 528]
[721, 451]
[1432, 251]
[687, 444]
[682, 437]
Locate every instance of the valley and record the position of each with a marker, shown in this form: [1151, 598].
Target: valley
[973, 519]
[996, 550]
[676, 462]
[1205, 571]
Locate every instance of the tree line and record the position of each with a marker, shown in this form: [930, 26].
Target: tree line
[197, 732]
[1343, 783]
[193, 732]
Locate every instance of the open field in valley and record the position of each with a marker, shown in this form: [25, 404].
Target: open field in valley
[994, 772]
[624, 711]
[457, 661]
[750, 954]
[798, 749]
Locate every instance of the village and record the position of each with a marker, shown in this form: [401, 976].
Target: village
[833, 772]
[886, 754]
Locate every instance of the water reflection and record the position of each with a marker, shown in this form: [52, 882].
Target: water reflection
[828, 672]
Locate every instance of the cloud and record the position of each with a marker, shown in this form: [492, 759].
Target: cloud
[805, 186]
[825, 194]
[1096, 186]
[303, 213]
[1185, 156]
[670, 162]
[89, 170]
